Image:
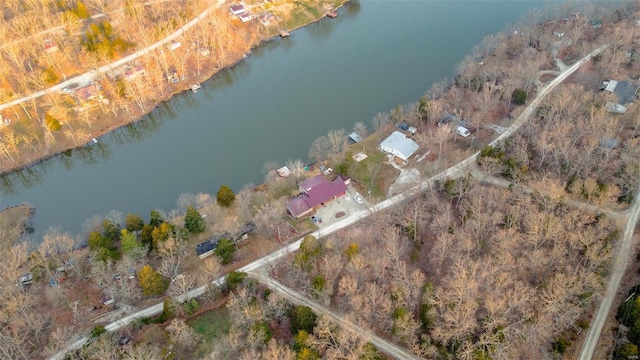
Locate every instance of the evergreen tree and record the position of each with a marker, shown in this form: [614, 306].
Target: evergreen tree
[193, 221]
[225, 251]
[133, 222]
[225, 196]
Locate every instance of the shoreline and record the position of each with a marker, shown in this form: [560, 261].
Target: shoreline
[117, 122]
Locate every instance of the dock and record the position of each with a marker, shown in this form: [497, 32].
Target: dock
[194, 88]
[283, 33]
[332, 14]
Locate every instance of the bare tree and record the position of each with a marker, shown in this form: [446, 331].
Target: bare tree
[338, 141]
[320, 149]
[360, 129]
[380, 120]
[297, 167]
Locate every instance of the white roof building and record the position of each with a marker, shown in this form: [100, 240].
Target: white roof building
[399, 145]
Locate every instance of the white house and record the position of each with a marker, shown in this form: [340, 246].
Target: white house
[398, 144]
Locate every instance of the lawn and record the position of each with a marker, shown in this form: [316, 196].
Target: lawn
[210, 325]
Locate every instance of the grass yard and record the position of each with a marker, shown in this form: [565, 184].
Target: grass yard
[210, 325]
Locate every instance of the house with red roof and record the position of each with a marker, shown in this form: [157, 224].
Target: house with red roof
[315, 192]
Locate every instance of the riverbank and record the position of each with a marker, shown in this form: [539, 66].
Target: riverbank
[110, 120]
[14, 222]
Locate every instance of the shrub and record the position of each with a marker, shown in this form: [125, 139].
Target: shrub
[234, 279]
[560, 346]
[519, 96]
[302, 318]
[261, 330]
[191, 306]
[168, 311]
[97, 331]
[319, 283]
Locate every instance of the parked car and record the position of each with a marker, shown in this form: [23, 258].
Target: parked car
[358, 199]
[463, 131]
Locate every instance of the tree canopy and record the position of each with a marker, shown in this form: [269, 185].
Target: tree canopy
[151, 282]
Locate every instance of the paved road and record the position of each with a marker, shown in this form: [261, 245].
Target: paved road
[619, 268]
[454, 171]
[89, 76]
[296, 298]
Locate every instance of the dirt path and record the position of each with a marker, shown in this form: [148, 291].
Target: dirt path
[617, 271]
[296, 298]
[504, 183]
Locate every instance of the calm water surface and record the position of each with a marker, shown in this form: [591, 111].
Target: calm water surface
[270, 107]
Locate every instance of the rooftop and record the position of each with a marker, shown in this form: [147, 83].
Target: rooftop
[399, 145]
[624, 90]
[316, 190]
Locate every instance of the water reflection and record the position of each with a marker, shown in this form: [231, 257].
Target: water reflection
[352, 8]
[26, 177]
[91, 153]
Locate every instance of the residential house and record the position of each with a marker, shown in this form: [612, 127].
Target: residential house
[399, 145]
[131, 73]
[244, 231]
[625, 92]
[88, 92]
[315, 192]
[50, 46]
[450, 118]
[207, 248]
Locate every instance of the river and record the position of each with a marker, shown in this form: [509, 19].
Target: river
[271, 106]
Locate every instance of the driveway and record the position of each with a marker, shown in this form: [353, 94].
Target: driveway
[345, 204]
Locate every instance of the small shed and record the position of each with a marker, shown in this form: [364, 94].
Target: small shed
[237, 9]
[244, 17]
[284, 172]
[355, 137]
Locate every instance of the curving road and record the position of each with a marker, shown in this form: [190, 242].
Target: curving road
[89, 76]
[454, 171]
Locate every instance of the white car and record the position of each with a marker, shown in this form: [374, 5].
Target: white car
[358, 199]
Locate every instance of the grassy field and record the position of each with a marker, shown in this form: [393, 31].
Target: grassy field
[373, 173]
[210, 325]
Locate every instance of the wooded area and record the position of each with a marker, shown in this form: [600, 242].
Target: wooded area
[48, 42]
